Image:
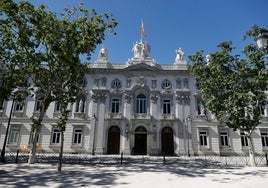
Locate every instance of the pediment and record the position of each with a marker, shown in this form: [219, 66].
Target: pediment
[142, 67]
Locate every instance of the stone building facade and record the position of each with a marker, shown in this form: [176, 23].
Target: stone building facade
[138, 107]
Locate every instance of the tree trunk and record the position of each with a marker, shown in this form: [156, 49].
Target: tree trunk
[251, 151]
[38, 124]
[61, 151]
[32, 154]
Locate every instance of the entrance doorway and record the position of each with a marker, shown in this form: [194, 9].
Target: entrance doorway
[113, 145]
[167, 141]
[140, 146]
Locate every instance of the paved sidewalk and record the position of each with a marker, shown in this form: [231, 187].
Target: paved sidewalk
[131, 176]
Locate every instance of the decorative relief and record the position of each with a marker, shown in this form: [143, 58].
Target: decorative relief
[128, 97]
[154, 97]
[141, 81]
[183, 97]
[101, 96]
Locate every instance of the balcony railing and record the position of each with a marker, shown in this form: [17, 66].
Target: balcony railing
[168, 116]
[141, 116]
[115, 116]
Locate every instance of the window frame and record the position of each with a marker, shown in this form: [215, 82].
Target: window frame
[57, 106]
[14, 140]
[18, 107]
[224, 139]
[141, 104]
[166, 106]
[77, 139]
[244, 140]
[55, 136]
[115, 105]
[264, 139]
[203, 139]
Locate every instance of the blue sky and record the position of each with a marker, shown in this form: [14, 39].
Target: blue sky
[190, 24]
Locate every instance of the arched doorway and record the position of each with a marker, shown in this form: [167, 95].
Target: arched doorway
[167, 141]
[113, 145]
[140, 146]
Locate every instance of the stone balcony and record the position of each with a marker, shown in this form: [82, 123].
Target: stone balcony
[141, 116]
[168, 117]
[115, 116]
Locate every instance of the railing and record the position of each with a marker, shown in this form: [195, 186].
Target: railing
[141, 116]
[168, 116]
[86, 158]
[115, 115]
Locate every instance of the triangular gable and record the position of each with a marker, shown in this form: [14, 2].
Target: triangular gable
[142, 67]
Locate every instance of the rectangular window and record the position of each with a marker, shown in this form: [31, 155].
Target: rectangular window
[57, 106]
[1, 105]
[141, 107]
[244, 140]
[115, 105]
[166, 106]
[203, 138]
[77, 136]
[55, 137]
[264, 139]
[14, 135]
[37, 105]
[18, 106]
[224, 139]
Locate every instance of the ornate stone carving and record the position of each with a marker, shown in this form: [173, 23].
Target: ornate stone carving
[141, 81]
[128, 97]
[183, 97]
[99, 96]
[154, 97]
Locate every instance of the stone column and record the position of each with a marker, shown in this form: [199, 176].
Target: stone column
[100, 126]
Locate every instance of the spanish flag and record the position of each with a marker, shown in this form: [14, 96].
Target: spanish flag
[142, 29]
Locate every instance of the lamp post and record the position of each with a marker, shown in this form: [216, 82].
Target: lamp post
[188, 135]
[14, 98]
[3, 160]
[262, 40]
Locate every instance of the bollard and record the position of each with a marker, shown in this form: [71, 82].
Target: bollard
[164, 158]
[121, 162]
[17, 156]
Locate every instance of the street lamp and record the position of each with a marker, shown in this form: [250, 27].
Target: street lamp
[14, 98]
[262, 40]
[188, 119]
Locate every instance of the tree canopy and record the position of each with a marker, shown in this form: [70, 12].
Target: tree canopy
[233, 87]
[45, 48]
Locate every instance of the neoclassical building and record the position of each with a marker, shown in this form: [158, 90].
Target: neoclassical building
[138, 107]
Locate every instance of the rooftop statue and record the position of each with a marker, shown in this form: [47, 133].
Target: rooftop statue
[141, 50]
[180, 54]
[103, 53]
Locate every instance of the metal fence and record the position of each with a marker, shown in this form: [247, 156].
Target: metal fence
[86, 158]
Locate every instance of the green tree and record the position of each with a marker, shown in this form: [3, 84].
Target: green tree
[232, 87]
[49, 47]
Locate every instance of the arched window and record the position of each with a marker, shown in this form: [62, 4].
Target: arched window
[141, 106]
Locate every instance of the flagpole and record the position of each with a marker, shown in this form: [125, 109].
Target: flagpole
[141, 30]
